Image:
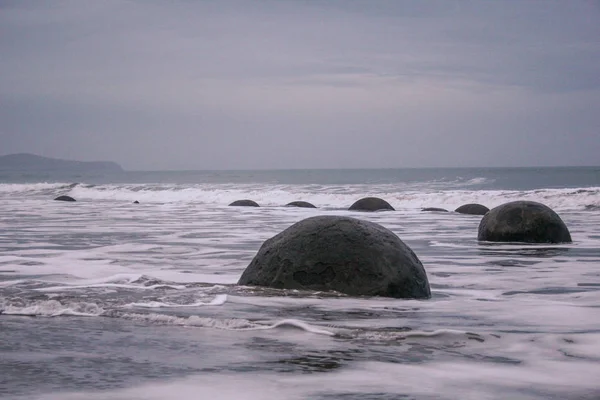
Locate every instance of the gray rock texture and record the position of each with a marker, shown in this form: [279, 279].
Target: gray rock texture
[371, 204]
[64, 198]
[244, 203]
[523, 221]
[472, 209]
[303, 204]
[337, 253]
[434, 209]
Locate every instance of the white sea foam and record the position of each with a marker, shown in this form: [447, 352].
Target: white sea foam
[12, 282]
[401, 196]
[469, 380]
[300, 325]
[192, 321]
[109, 286]
[122, 281]
[237, 324]
[343, 197]
[436, 243]
[219, 300]
[112, 279]
[14, 188]
[53, 308]
[436, 333]
[172, 259]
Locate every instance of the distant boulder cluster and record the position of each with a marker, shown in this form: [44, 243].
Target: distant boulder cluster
[362, 258]
[517, 221]
[251, 203]
[373, 204]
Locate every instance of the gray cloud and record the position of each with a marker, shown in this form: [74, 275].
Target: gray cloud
[292, 84]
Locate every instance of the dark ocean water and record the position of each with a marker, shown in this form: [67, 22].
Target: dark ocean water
[477, 178]
[105, 299]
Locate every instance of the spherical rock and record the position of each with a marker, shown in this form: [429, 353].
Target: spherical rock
[472, 209]
[523, 221]
[303, 204]
[136, 202]
[344, 254]
[371, 204]
[434, 209]
[64, 198]
[244, 203]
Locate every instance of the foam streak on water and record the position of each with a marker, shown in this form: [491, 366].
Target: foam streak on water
[403, 196]
[105, 299]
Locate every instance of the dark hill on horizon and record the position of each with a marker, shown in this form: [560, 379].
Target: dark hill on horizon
[32, 162]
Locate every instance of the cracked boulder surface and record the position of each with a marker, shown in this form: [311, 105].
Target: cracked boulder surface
[523, 221]
[343, 254]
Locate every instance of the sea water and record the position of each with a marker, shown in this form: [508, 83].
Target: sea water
[106, 299]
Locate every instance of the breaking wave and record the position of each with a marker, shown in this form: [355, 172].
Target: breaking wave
[401, 196]
[51, 308]
[55, 308]
[219, 300]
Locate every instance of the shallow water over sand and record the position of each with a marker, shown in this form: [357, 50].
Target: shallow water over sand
[104, 299]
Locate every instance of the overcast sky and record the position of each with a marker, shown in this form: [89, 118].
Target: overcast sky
[302, 84]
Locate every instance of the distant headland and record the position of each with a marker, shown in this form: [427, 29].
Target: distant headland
[32, 162]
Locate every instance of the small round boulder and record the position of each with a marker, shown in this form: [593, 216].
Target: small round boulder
[303, 204]
[371, 204]
[523, 221]
[343, 254]
[434, 209]
[64, 198]
[244, 203]
[472, 209]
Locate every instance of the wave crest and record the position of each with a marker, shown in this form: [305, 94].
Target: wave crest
[401, 196]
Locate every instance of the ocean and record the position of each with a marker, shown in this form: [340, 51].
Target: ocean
[106, 299]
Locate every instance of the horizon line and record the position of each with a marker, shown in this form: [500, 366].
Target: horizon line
[353, 168]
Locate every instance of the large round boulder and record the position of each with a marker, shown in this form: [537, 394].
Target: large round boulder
[523, 221]
[64, 198]
[472, 209]
[371, 204]
[303, 204]
[244, 203]
[344, 254]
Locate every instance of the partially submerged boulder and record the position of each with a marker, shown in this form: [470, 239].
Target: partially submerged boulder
[136, 202]
[371, 204]
[434, 209]
[64, 198]
[303, 204]
[472, 209]
[344, 254]
[523, 221]
[244, 203]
